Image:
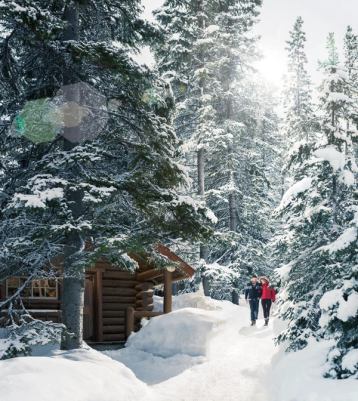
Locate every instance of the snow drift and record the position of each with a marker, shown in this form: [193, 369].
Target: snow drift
[82, 375]
[190, 300]
[297, 376]
[185, 331]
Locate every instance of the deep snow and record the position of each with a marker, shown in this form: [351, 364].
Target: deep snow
[202, 351]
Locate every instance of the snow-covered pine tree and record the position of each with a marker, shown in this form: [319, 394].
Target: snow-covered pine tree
[351, 66]
[89, 154]
[319, 243]
[207, 55]
[298, 126]
[339, 304]
[299, 117]
[254, 147]
[181, 59]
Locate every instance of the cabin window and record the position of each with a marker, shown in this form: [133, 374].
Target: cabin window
[44, 288]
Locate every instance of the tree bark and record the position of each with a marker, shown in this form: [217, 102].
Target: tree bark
[201, 172]
[201, 191]
[232, 175]
[235, 297]
[232, 211]
[74, 279]
[204, 252]
[72, 312]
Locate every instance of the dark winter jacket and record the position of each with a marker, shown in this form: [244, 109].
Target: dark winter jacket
[253, 291]
[268, 292]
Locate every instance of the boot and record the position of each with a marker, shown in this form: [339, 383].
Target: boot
[253, 322]
[266, 322]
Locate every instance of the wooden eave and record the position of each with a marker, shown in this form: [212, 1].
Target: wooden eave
[148, 272]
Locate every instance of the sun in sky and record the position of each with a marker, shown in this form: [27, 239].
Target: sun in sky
[272, 66]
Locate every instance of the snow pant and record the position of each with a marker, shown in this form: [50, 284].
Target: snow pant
[266, 306]
[254, 307]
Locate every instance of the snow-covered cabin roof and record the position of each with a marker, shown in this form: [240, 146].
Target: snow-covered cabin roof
[149, 272]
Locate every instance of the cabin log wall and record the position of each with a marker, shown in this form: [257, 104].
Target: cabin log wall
[114, 292]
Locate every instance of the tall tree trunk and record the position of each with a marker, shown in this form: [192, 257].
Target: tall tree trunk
[233, 211]
[232, 174]
[201, 191]
[74, 278]
[204, 251]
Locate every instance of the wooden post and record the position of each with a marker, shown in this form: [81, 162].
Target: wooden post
[129, 321]
[167, 291]
[99, 305]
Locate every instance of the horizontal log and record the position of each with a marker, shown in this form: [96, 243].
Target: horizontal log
[108, 321]
[114, 337]
[112, 274]
[148, 308]
[149, 274]
[145, 293]
[119, 283]
[115, 306]
[144, 286]
[114, 313]
[34, 311]
[143, 302]
[53, 317]
[114, 329]
[119, 291]
[103, 264]
[41, 304]
[118, 299]
[138, 314]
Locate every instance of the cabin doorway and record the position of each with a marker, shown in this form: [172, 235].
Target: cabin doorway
[88, 309]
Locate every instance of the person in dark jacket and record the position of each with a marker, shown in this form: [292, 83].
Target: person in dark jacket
[267, 297]
[253, 295]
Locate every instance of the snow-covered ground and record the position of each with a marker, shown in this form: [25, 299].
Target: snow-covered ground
[204, 350]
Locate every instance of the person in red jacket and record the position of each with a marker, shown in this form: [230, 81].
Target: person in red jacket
[267, 297]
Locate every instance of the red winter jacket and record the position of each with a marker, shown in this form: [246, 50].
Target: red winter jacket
[268, 292]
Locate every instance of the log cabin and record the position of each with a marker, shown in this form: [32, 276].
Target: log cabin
[114, 300]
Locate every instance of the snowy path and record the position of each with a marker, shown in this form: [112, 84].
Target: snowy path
[235, 369]
[203, 351]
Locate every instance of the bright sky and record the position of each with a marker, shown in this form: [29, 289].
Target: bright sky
[276, 20]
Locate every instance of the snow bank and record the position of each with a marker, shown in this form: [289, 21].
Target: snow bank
[82, 375]
[190, 300]
[185, 331]
[171, 344]
[297, 376]
[196, 300]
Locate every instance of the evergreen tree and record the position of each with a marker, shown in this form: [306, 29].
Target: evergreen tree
[299, 118]
[351, 67]
[207, 55]
[339, 304]
[89, 154]
[319, 244]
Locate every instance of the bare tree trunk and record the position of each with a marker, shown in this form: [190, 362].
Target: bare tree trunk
[233, 211]
[74, 279]
[201, 172]
[204, 251]
[201, 191]
[72, 312]
[232, 175]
